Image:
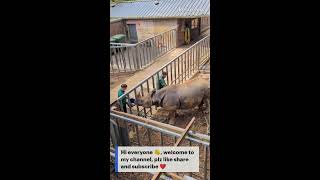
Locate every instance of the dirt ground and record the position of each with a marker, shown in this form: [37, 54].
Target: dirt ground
[117, 79]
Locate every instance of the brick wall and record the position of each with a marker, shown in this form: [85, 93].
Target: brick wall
[117, 28]
[149, 28]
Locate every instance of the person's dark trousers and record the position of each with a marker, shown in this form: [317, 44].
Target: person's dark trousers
[124, 108]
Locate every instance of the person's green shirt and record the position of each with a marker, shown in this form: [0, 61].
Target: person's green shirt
[162, 83]
[123, 101]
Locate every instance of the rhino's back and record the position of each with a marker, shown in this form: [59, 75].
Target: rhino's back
[188, 95]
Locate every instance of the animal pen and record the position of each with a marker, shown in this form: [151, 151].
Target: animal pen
[138, 127]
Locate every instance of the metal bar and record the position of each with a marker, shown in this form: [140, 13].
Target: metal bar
[123, 58]
[205, 163]
[122, 44]
[182, 68]
[140, 57]
[147, 53]
[137, 57]
[158, 78]
[189, 67]
[169, 40]
[167, 75]
[192, 64]
[128, 53]
[201, 49]
[156, 46]
[153, 126]
[144, 109]
[154, 86]
[160, 45]
[198, 57]
[161, 138]
[115, 55]
[153, 48]
[175, 71]
[148, 89]
[128, 98]
[190, 144]
[137, 133]
[119, 58]
[170, 73]
[133, 56]
[111, 60]
[135, 96]
[178, 69]
[163, 45]
[143, 55]
[150, 51]
[185, 67]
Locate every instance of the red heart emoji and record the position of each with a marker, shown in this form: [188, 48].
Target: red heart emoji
[162, 166]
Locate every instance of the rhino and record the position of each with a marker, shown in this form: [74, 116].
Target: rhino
[191, 94]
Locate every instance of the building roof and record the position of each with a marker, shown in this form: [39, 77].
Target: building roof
[165, 9]
[112, 20]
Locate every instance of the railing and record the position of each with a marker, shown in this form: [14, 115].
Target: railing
[132, 57]
[180, 69]
[162, 135]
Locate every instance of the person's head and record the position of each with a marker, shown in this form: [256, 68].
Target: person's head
[124, 87]
[164, 74]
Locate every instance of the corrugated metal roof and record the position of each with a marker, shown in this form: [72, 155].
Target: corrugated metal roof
[115, 20]
[165, 9]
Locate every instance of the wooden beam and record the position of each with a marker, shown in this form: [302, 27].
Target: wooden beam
[184, 133]
[157, 175]
[174, 176]
[157, 124]
[149, 121]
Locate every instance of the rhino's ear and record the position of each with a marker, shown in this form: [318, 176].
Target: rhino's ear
[152, 92]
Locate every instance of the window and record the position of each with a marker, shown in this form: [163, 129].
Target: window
[194, 23]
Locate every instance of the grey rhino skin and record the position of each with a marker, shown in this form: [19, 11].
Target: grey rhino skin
[188, 95]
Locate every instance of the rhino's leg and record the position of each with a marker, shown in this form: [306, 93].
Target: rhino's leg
[172, 117]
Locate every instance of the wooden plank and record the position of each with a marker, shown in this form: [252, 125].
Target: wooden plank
[149, 121]
[173, 176]
[158, 124]
[184, 133]
[157, 175]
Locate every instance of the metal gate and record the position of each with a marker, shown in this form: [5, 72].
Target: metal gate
[132, 57]
[126, 127]
[167, 134]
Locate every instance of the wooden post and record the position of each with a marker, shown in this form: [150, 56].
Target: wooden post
[157, 175]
